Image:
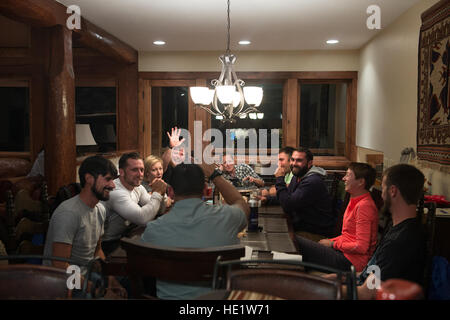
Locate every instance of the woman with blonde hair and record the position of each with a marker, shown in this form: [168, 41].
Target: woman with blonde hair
[153, 170]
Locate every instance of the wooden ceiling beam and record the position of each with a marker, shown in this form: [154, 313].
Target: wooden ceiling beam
[49, 13]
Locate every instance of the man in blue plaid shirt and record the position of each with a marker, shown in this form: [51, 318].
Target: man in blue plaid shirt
[241, 175]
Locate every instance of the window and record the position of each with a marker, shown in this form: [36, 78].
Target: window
[169, 109]
[323, 118]
[269, 117]
[15, 119]
[96, 106]
[312, 109]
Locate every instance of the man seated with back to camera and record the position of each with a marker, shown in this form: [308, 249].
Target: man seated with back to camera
[192, 223]
[400, 254]
[358, 239]
[306, 201]
[76, 226]
[130, 205]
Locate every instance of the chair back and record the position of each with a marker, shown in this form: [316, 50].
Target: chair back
[428, 222]
[64, 193]
[264, 276]
[175, 264]
[30, 281]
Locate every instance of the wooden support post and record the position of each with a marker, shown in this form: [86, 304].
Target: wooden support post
[60, 147]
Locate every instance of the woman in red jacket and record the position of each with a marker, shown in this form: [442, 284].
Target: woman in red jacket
[357, 241]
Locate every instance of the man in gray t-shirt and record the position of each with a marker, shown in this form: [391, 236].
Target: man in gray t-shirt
[77, 224]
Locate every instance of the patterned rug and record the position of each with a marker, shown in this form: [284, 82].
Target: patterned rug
[433, 116]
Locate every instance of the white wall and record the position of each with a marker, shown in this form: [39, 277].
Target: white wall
[387, 92]
[175, 61]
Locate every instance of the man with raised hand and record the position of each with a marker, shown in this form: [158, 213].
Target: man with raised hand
[192, 223]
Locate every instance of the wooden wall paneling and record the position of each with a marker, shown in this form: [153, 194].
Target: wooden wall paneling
[60, 151]
[350, 132]
[128, 122]
[200, 114]
[156, 119]
[291, 114]
[145, 118]
[38, 89]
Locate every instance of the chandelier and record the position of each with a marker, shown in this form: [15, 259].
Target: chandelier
[229, 90]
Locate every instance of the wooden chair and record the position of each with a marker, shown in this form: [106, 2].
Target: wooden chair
[30, 281]
[171, 263]
[426, 214]
[263, 276]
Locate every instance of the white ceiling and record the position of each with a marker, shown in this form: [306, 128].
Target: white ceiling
[200, 25]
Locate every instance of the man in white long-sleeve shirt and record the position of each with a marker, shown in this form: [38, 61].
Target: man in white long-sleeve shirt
[129, 202]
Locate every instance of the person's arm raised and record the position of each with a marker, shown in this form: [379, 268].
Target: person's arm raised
[228, 191]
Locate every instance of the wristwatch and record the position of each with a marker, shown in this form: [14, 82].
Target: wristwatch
[215, 174]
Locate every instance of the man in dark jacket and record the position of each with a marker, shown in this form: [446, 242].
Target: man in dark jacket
[306, 200]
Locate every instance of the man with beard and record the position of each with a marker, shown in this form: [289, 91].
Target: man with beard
[401, 251]
[306, 200]
[77, 223]
[130, 203]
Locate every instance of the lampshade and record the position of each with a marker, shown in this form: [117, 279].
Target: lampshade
[225, 94]
[253, 95]
[84, 135]
[252, 115]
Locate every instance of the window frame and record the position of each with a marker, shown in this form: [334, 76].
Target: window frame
[291, 104]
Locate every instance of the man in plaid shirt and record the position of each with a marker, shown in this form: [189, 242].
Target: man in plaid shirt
[241, 175]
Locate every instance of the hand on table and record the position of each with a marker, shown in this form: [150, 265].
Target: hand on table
[326, 242]
[249, 178]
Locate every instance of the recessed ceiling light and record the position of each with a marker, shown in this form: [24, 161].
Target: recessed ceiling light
[159, 42]
[332, 41]
[244, 42]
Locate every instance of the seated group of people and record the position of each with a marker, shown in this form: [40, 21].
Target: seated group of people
[401, 251]
[109, 205]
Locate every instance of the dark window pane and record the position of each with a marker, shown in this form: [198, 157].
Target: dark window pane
[174, 109]
[271, 107]
[14, 119]
[322, 118]
[96, 106]
[89, 100]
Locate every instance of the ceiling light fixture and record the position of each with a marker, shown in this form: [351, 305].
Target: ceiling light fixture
[229, 90]
[244, 42]
[159, 42]
[332, 41]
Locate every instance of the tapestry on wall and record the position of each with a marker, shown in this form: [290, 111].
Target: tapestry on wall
[433, 116]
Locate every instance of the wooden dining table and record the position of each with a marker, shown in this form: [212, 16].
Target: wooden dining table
[274, 234]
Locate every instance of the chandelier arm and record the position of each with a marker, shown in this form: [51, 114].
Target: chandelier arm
[242, 101]
[216, 106]
[250, 109]
[209, 110]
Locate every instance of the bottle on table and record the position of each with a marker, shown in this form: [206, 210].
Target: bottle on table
[253, 203]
